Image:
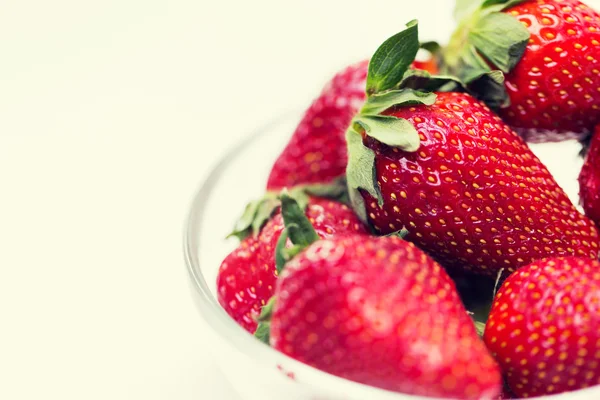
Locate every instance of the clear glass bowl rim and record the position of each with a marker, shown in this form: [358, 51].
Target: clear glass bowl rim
[226, 328]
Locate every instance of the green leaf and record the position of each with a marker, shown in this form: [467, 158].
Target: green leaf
[464, 8]
[293, 251]
[392, 131]
[267, 310]
[401, 233]
[490, 88]
[299, 194]
[501, 39]
[432, 47]
[263, 329]
[243, 224]
[424, 81]
[360, 173]
[255, 215]
[266, 208]
[499, 5]
[299, 228]
[472, 65]
[479, 327]
[263, 332]
[335, 190]
[392, 59]
[379, 102]
[280, 257]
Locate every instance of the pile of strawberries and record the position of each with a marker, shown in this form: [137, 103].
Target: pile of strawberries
[407, 211]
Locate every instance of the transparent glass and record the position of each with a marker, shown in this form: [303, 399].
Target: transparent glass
[256, 371]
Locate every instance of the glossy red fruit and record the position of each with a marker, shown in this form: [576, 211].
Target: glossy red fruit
[316, 153]
[589, 180]
[474, 195]
[554, 88]
[544, 327]
[247, 276]
[377, 310]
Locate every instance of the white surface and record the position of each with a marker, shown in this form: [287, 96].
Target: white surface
[110, 114]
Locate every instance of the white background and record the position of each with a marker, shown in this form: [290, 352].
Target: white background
[111, 113]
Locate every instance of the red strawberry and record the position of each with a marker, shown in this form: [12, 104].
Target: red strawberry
[589, 180]
[550, 51]
[380, 312]
[316, 152]
[465, 186]
[473, 195]
[544, 327]
[247, 275]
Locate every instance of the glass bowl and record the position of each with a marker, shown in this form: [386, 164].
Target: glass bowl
[256, 371]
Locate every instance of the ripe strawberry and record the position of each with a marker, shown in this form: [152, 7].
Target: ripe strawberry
[549, 51]
[380, 312]
[589, 180]
[544, 327]
[316, 153]
[465, 186]
[473, 195]
[247, 275]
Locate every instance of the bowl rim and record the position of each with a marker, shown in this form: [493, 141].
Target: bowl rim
[236, 336]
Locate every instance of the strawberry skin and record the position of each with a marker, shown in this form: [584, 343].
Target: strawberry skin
[544, 327]
[473, 195]
[377, 310]
[247, 275]
[553, 89]
[589, 180]
[316, 153]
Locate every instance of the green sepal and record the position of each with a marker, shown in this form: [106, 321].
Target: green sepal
[392, 59]
[390, 130]
[280, 257]
[479, 327]
[259, 211]
[263, 329]
[499, 5]
[489, 87]
[425, 82]
[255, 215]
[401, 233]
[335, 190]
[464, 8]
[485, 40]
[298, 227]
[284, 254]
[500, 38]
[380, 102]
[263, 332]
[360, 173]
[433, 47]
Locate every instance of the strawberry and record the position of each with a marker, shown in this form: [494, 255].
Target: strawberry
[247, 275]
[377, 310]
[544, 327]
[589, 180]
[465, 186]
[549, 51]
[316, 153]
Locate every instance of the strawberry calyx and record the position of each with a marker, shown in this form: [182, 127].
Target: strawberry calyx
[259, 211]
[300, 232]
[391, 83]
[486, 39]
